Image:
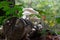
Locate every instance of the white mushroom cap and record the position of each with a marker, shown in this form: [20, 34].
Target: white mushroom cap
[33, 29]
[40, 26]
[26, 13]
[1, 27]
[29, 11]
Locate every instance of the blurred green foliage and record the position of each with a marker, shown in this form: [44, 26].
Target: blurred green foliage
[58, 19]
[10, 9]
[58, 33]
[48, 8]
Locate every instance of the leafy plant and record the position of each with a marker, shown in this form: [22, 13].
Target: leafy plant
[10, 9]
